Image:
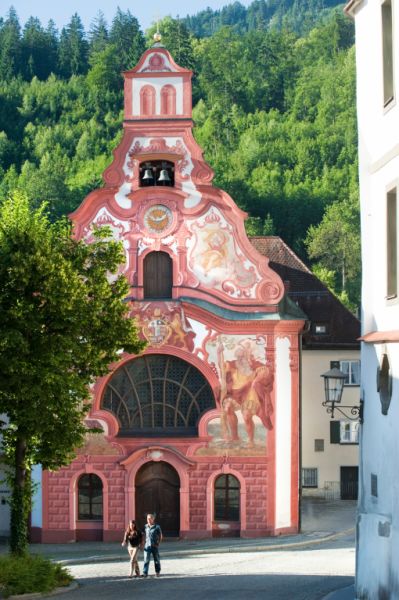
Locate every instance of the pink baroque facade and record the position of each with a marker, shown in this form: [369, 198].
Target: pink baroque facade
[202, 428]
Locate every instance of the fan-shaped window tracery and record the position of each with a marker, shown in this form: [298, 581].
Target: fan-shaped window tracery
[158, 395]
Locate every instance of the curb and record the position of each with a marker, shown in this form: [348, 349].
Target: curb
[230, 549]
[60, 590]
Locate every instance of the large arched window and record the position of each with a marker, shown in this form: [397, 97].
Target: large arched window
[158, 275]
[158, 395]
[90, 497]
[168, 100]
[147, 100]
[227, 498]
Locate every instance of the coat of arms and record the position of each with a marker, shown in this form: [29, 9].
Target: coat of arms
[156, 328]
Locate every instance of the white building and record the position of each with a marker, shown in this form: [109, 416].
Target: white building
[377, 55]
[329, 447]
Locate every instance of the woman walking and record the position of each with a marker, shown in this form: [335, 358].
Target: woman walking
[133, 538]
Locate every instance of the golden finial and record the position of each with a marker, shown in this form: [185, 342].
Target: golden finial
[157, 35]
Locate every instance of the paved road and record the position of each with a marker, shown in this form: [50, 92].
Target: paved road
[287, 574]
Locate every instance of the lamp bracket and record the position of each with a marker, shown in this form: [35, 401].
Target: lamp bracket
[356, 412]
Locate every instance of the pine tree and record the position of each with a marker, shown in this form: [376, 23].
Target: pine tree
[98, 35]
[128, 39]
[10, 46]
[73, 48]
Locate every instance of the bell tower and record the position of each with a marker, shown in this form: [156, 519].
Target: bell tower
[158, 147]
[157, 88]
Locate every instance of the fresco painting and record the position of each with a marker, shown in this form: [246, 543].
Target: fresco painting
[246, 407]
[215, 259]
[164, 323]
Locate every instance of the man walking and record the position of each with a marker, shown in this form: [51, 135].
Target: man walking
[153, 537]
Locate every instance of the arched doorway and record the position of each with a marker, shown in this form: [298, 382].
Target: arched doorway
[158, 491]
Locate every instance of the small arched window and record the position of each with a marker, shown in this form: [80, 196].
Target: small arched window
[227, 498]
[158, 275]
[168, 100]
[90, 497]
[147, 100]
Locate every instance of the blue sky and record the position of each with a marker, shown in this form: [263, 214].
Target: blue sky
[146, 12]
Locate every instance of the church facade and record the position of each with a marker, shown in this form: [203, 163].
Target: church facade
[202, 427]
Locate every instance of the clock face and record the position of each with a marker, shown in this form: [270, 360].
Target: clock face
[158, 218]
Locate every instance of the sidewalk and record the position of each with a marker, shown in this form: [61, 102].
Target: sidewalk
[321, 521]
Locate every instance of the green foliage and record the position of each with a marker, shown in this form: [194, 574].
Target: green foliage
[30, 574]
[63, 321]
[336, 243]
[177, 39]
[126, 36]
[299, 16]
[274, 108]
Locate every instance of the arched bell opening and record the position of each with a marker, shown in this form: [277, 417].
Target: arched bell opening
[157, 173]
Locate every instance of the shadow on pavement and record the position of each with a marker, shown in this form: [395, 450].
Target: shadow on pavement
[216, 587]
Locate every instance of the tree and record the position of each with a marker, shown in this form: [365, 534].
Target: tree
[73, 48]
[336, 243]
[128, 39]
[63, 321]
[177, 39]
[10, 46]
[37, 49]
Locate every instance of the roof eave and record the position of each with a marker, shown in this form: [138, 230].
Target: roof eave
[351, 6]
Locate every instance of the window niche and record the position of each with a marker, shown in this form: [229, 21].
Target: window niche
[392, 245]
[387, 52]
[384, 383]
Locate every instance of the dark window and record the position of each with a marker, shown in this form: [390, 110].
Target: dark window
[387, 51]
[90, 497]
[158, 395]
[158, 275]
[227, 498]
[392, 245]
[319, 445]
[309, 478]
[157, 172]
[374, 485]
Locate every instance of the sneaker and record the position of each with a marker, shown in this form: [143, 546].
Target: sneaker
[143, 575]
[157, 574]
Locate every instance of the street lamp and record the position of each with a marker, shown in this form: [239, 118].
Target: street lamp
[333, 387]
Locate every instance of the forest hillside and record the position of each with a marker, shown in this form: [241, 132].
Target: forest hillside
[274, 110]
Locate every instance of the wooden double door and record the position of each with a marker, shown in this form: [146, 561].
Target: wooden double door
[158, 491]
[349, 483]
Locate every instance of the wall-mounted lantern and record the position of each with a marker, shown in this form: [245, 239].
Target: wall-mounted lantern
[333, 387]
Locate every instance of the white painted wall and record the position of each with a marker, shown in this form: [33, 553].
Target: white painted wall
[37, 510]
[378, 516]
[283, 433]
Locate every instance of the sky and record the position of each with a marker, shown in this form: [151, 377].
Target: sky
[146, 12]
